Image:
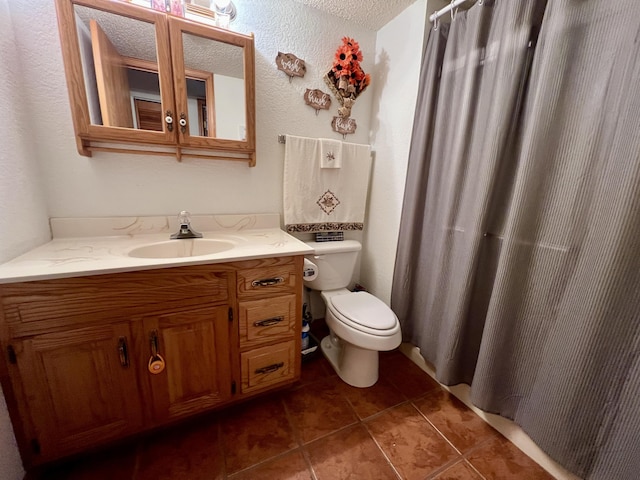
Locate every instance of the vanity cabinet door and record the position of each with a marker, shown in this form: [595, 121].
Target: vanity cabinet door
[80, 388]
[186, 360]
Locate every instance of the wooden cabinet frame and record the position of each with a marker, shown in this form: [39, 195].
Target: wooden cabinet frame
[172, 78]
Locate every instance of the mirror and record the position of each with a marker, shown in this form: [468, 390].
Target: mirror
[223, 66]
[123, 81]
[119, 73]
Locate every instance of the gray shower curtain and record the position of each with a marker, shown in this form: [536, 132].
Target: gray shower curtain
[518, 264]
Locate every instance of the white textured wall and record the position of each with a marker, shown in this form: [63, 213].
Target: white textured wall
[115, 184]
[398, 54]
[39, 135]
[23, 218]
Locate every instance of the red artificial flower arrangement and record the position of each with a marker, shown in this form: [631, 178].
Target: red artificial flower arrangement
[346, 78]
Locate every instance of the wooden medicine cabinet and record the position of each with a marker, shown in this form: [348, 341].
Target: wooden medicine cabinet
[145, 82]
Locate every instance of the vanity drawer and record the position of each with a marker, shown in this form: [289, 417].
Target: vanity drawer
[269, 280]
[266, 366]
[267, 319]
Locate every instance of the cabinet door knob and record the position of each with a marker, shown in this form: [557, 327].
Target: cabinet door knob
[123, 352]
[169, 120]
[183, 122]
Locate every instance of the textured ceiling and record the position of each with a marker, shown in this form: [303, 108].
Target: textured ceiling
[372, 14]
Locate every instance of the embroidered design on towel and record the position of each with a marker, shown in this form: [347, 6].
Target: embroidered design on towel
[330, 156]
[324, 227]
[328, 202]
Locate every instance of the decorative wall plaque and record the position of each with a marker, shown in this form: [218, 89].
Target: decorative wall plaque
[317, 99]
[344, 126]
[291, 65]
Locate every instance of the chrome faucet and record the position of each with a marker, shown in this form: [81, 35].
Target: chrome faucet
[184, 219]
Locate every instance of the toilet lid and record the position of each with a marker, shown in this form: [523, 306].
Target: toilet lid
[365, 309]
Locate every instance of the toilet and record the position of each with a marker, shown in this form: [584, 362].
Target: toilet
[361, 325]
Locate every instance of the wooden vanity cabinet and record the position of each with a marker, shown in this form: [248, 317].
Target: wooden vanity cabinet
[77, 370]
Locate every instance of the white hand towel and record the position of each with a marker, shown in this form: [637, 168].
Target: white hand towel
[330, 153]
[324, 199]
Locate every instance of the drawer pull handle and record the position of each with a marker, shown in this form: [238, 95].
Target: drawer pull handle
[267, 282]
[123, 352]
[269, 368]
[268, 322]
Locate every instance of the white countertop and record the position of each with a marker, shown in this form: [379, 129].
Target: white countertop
[91, 255]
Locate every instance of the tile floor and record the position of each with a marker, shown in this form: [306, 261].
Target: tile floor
[404, 427]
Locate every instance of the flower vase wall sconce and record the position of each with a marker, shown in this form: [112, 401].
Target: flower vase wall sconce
[225, 11]
[317, 99]
[291, 65]
[347, 81]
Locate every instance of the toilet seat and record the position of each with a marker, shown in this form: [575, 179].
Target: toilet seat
[364, 312]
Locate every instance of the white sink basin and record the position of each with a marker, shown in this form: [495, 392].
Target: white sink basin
[191, 247]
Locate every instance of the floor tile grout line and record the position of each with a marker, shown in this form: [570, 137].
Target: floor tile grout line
[136, 464]
[307, 458]
[362, 420]
[294, 428]
[393, 467]
[464, 454]
[298, 438]
[221, 448]
[436, 428]
[262, 462]
[321, 437]
[480, 445]
[443, 468]
[466, 460]
[474, 449]
[377, 414]
[460, 456]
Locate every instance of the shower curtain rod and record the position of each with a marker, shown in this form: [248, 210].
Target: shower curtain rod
[446, 9]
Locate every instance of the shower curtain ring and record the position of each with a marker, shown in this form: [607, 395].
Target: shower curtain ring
[435, 23]
[453, 10]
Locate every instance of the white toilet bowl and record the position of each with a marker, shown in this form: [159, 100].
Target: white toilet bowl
[362, 325]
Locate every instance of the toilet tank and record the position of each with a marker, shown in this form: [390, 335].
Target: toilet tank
[335, 261]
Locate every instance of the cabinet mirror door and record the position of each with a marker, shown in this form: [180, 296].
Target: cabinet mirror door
[213, 81]
[120, 73]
